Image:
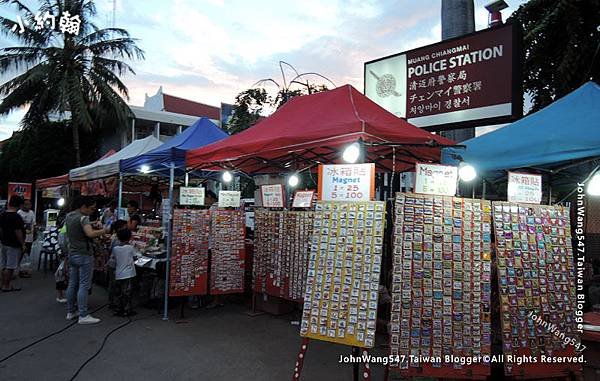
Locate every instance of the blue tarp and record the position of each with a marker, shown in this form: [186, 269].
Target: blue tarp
[566, 130]
[199, 134]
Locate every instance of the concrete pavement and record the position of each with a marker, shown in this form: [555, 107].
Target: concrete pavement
[218, 344]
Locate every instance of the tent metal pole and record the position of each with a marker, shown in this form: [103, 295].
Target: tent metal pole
[549, 189]
[168, 235]
[120, 197]
[483, 189]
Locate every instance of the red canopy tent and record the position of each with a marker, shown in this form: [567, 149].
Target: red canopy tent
[313, 129]
[64, 179]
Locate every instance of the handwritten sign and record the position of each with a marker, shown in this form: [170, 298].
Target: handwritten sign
[523, 187]
[272, 196]
[229, 199]
[303, 199]
[436, 179]
[191, 196]
[347, 182]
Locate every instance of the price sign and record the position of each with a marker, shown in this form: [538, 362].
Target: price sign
[229, 199]
[347, 182]
[303, 199]
[436, 179]
[523, 187]
[272, 196]
[191, 196]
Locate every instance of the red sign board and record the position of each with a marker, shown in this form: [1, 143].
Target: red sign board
[466, 79]
[21, 189]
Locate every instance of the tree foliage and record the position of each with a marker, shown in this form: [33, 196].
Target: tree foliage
[253, 103]
[248, 107]
[41, 152]
[560, 40]
[55, 72]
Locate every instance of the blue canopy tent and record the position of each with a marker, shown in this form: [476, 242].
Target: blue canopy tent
[168, 159]
[566, 130]
[561, 135]
[159, 160]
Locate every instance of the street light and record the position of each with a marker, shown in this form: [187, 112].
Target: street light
[466, 172]
[593, 186]
[351, 153]
[227, 177]
[293, 181]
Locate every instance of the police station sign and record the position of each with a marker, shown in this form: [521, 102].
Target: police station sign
[467, 79]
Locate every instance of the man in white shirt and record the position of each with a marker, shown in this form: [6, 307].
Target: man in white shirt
[28, 217]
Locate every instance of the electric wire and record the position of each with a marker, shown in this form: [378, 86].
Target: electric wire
[45, 337]
[99, 349]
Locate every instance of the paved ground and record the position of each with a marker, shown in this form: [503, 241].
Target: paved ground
[218, 344]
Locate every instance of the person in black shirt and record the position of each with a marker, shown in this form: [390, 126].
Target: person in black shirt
[12, 233]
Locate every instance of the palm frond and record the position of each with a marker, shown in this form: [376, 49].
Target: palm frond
[113, 65]
[20, 58]
[119, 47]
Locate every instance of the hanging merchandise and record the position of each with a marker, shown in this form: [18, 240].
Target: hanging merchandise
[441, 286]
[537, 287]
[189, 256]
[342, 282]
[282, 243]
[228, 252]
[146, 239]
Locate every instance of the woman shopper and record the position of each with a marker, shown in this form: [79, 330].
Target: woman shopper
[80, 234]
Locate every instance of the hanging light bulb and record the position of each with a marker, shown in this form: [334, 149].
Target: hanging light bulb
[293, 180]
[593, 186]
[351, 153]
[145, 168]
[467, 172]
[227, 177]
[61, 202]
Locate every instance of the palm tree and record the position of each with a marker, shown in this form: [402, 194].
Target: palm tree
[55, 71]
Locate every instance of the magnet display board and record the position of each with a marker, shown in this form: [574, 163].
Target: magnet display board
[342, 282]
[189, 257]
[281, 250]
[536, 275]
[441, 290]
[228, 252]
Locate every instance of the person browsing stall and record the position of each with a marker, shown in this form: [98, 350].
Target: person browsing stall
[28, 217]
[111, 264]
[123, 255]
[12, 233]
[80, 233]
[133, 209]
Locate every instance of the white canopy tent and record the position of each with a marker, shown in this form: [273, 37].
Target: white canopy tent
[109, 166]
